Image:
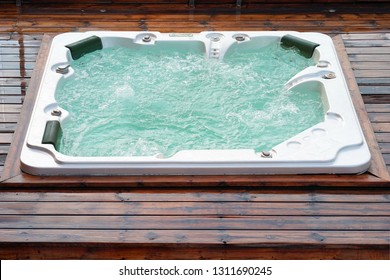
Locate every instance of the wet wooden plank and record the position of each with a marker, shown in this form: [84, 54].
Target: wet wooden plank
[377, 108]
[367, 36]
[153, 7]
[220, 21]
[367, 43]
[387, 158]
[11, 99]
[191, 208]
[21, 180]
[17, 57]
[14, 81]
[385, 147]
[369, 50]
[7, 128]
[53, 2]
[376, 98]
[17, 67]
[383, 137]
[7, 26]
[380, 117]
[20, 43]
[9, 117]
[373, 73]
[375, 89]
[182, 250]
[16, 50]
[205, 195]
[375, 81]
[15, 73]
[370, 65]
[10, 108]
[244, 237]
[195, 223]
[381, 127]
[6, 138]
[369, 57]
[2, 158]
[213, 16]
[4, 149]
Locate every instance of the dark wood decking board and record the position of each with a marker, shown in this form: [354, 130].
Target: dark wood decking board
[370, 57]
[163, 220]
[187, 224]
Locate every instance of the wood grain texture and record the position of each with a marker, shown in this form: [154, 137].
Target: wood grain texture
[196, 224]
[122, 251]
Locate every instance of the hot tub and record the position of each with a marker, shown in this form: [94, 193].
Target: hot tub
[333, 143]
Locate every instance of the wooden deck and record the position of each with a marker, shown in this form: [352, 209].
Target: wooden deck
[198, 218]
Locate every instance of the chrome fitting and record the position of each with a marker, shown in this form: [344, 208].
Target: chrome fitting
[62, 69]
[56, 112]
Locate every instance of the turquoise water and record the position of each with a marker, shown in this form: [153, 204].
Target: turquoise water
[125, 102]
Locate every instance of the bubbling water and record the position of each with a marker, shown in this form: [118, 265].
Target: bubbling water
[149, 101]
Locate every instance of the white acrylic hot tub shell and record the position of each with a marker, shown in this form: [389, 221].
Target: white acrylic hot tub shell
[335, 145]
